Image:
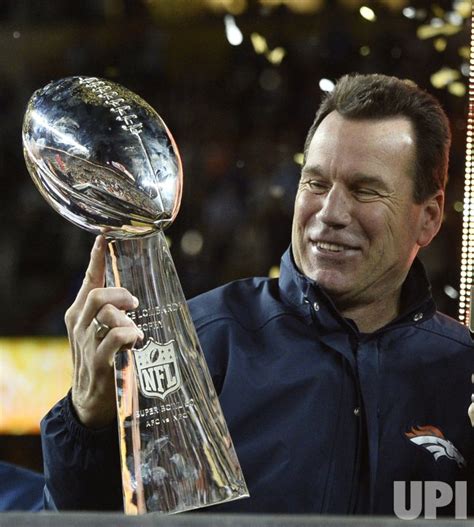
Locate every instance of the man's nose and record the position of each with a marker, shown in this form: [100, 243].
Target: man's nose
[336, 208]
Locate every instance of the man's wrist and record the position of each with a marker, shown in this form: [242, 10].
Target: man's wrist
[81, 431]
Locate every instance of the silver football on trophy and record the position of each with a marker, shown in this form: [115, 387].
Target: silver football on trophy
[102, 157]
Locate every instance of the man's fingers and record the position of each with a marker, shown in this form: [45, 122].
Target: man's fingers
[113, 317]
[471, 413]
[95, 273]
[97, 299]
[116, 339]
[92, 295]
[470, 410]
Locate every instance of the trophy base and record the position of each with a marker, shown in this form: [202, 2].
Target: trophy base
[221, 502]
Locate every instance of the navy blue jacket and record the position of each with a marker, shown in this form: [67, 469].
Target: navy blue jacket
[324, 418]
[20, 489]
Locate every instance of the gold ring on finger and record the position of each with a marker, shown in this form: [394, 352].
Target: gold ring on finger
[101, 330]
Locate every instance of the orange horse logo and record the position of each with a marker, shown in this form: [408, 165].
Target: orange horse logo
[432, 439]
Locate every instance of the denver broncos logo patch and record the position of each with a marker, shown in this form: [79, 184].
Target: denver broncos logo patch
[432, 439]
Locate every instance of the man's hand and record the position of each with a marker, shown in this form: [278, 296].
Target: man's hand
[93, 388]
[471, 408]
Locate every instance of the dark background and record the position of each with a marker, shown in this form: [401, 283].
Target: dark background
[237, 118]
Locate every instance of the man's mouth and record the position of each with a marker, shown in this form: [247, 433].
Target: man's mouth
[332, 247]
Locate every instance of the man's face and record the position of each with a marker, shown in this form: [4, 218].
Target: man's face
[356, 228]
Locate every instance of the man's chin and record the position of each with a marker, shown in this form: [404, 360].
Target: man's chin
[333, 291]
[332, 282]
[327, 278]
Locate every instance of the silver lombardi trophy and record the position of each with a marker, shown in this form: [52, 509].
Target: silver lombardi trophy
[105, 160]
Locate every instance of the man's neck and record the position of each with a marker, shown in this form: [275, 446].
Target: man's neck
[373, 316]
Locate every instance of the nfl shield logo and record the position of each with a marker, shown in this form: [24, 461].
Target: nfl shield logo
[157, 369]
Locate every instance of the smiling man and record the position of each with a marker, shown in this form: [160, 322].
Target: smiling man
[337, 380]
[357, 226]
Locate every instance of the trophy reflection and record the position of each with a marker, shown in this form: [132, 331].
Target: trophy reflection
[105, 160]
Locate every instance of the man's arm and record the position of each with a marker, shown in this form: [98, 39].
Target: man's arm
[79, 435]
[81, 465]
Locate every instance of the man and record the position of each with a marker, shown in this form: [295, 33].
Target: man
[339, 378]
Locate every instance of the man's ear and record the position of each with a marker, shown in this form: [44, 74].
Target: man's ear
[431, 218]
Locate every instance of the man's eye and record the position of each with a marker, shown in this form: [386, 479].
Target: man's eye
[365, 193]
[315, 186]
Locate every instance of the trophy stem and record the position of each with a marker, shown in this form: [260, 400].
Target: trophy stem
[176, 451]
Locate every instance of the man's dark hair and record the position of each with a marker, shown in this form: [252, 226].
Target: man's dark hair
[378, 96]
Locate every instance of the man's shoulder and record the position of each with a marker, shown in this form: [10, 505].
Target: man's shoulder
[250, 302]
[445, 327]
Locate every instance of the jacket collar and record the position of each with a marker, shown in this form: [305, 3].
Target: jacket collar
[309, 299]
